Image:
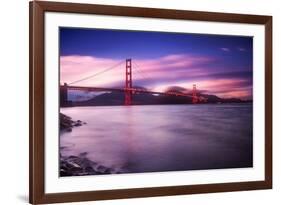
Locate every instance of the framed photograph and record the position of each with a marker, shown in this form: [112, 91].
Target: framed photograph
[139, 102]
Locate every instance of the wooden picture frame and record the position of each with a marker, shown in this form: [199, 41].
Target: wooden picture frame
[38, 9]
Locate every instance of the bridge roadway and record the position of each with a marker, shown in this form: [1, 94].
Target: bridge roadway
[134, 90]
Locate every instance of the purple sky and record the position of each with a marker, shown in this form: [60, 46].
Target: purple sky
[220, 65]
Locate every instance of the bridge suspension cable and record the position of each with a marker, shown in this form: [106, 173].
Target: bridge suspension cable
[140, 71]
[96, 74]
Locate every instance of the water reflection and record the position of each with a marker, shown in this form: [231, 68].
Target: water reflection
[162, 138]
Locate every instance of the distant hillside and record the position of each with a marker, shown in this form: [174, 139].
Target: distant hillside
[117, 98]
[216, 99]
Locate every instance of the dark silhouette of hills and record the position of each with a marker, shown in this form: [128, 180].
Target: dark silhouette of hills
[117, 98]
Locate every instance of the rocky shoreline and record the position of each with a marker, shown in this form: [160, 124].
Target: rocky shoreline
[82, 166]
[66, 123]
[79, 165]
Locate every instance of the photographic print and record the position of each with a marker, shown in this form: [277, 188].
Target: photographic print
[142, 101]
[130, 102]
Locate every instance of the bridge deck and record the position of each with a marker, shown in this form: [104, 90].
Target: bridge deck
[134, 90]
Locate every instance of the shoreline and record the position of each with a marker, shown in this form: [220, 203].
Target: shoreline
[79, 165]
[82, 166]
[66, 123]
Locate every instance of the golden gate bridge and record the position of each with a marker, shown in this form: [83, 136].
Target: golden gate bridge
[128, 89]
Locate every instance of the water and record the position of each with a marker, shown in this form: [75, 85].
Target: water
[163, 137]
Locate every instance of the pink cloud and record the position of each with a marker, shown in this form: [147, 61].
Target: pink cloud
[176, 65]
[224, 88]
[227, 88]
[158, 73]
[73, 68]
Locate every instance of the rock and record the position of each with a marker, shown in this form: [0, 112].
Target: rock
[89, 169]
[64, 173]
[72, 157]
[83, 154]
[74, 164]
[66, 123]
[101, 169]
[77, 124]
[81, 165]
[108, 171]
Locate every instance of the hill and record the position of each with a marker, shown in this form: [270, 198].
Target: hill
[117, 98]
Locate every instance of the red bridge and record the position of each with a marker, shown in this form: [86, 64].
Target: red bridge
[129, 90]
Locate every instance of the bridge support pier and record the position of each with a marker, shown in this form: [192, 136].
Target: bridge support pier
[128, 82]
[63, 95]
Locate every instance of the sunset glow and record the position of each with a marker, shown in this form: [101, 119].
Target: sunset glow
[218, 65]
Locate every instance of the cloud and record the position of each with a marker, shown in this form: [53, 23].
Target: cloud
[173, 67]
[182, 70]
[225, 49]
[168, 67]
[73, 68]
[224, 88]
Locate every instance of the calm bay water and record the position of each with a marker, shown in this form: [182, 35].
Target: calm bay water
[162, 138]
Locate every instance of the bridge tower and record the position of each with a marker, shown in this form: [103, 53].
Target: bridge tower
[128, 82]
[63, 95]
[194, 94]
